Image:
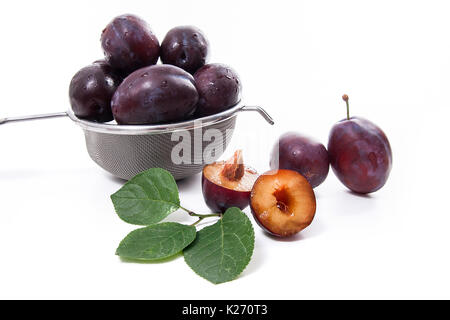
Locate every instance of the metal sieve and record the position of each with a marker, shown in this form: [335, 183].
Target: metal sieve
[126, 150]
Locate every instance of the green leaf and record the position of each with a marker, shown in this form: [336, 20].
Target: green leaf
[156, 242]
[222, 251]
[147, 198]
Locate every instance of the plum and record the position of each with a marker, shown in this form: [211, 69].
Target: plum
[360, 153]
[228, 184]
[300, 153]
[283, 202]
[91, 90]
[155, 94]
[129, 44]
[185, 47]
[219, 88]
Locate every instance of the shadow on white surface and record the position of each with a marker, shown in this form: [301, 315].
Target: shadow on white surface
[348, 203]
[360, 195]
[315, 229]
[20, 174]
[113, 178]
[29, 173]
[187, 184]
[256, 262]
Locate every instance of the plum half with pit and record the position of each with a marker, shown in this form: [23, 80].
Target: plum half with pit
[185, 47]
[155, 94]
[91, 90]
[283, 202]
[219, 88]
[360, 153]
[302, 154]
[129, 44]
[227, 184]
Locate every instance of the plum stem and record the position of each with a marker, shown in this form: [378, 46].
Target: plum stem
[345, 98]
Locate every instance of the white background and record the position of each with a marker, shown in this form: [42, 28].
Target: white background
[58, 229]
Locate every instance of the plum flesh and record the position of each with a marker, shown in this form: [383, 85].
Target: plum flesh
[283, 202]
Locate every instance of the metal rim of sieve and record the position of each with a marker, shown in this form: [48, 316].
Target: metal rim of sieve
[113, 128]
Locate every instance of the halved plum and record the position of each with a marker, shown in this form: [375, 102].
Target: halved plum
[283, 202]
[227, 184]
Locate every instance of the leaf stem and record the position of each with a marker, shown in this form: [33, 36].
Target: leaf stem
[196, 222]
[193, 214]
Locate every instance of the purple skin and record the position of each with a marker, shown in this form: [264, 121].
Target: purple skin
[129, 44]
[302, 154]
[91, 90]
[155, 94]
[219, 88]
[185, 47]
[360, 154]
[219, 198]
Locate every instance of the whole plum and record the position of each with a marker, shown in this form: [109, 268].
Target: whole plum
[185, 47]
[219, 88]
[91, 90]
[360, 154]
[129, 44]
[155, 94]
[302, 154]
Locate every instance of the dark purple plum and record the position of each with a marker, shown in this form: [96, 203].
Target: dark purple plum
[219, 88]
[360, 154]
[91, 90]
[155, 94]
[296, 152]
[129, 44]
[185, 47]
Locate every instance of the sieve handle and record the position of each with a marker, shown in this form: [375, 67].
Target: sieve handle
[34, 117]
[260, 110]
